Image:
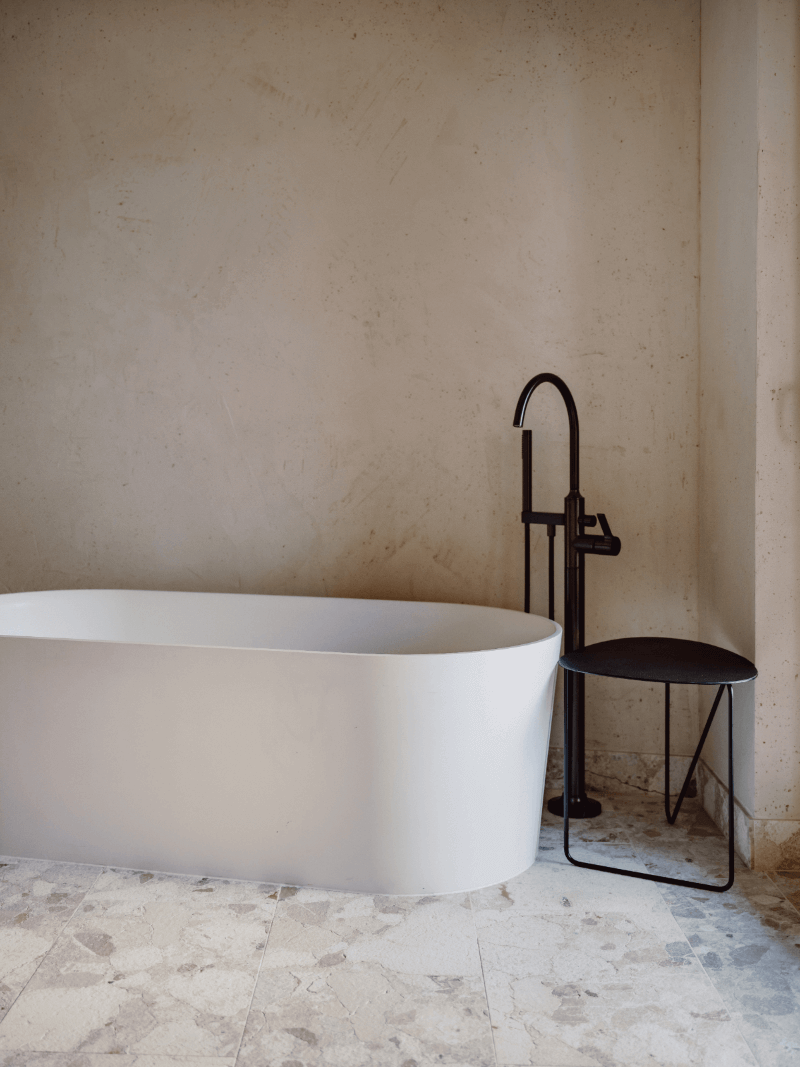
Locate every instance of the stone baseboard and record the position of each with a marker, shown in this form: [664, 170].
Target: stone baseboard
[763, 844]
[623, 772]
[714, 798]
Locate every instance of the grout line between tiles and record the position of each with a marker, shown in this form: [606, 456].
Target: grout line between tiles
[258, 972]
[483, 975]
[779, 892]
[101, 870]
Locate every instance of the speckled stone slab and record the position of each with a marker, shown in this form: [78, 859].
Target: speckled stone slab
[748, 941]
[363, 980]
[37, 899]
[106, 1059]
[148, 964]
[593, 969]
[559, 967]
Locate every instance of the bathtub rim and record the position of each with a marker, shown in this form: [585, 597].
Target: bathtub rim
[557, 631]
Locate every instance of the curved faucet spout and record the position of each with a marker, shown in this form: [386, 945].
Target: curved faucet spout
[572, 413]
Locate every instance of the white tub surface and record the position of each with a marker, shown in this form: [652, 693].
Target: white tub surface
[385, 746]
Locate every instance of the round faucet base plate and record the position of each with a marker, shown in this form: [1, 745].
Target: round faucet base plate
[583, 808]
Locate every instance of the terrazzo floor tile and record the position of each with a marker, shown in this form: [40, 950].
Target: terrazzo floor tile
[691, 848]
[82, 1059]
[645, 819]
[582, 969]
[585, 968]
[748, 941]
[37, 899]
[150, 964]
[362, 980]
[604, 828]
[616, 853]
[598, 840]
[788, 884]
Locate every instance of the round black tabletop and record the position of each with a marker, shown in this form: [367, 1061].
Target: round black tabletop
[661, 659]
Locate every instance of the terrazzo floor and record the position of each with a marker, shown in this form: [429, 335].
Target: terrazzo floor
[559, 967]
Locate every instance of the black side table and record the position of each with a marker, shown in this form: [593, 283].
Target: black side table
[667, 660]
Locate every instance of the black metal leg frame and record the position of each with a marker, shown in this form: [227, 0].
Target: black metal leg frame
[569, 679]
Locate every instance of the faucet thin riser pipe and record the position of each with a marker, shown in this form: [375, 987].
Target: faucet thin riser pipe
[527, 494]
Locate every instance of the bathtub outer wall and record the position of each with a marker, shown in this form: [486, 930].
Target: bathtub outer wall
[392, 774]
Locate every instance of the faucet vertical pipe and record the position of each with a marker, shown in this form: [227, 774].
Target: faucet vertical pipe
[527, 491]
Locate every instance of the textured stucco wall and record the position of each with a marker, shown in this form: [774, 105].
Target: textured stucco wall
[749, 560]
[728, 211]
[777, 571]
[274, 275]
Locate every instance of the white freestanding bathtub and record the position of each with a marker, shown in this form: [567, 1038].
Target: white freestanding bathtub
[385, 746]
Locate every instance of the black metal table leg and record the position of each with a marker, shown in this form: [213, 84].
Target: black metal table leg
[656, 877]
[671, 817]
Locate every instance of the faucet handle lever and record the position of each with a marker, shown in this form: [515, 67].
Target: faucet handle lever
[607, 545]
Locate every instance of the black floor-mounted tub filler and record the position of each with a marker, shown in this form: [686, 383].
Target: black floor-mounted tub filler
[576, 544]
[652, 659]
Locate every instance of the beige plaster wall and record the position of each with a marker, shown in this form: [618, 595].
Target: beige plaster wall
[777, 570]
[274, 274]
[728, 212]
[750, 451]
